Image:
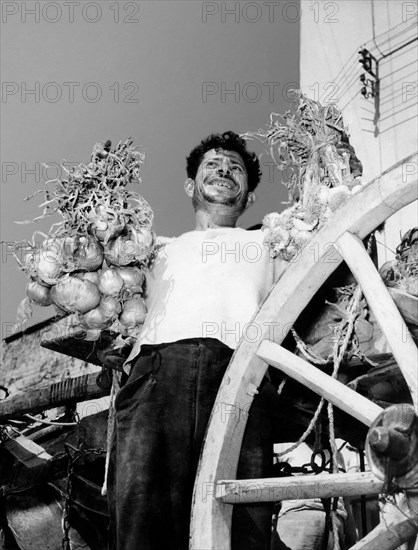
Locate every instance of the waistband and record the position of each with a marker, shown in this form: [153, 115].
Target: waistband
[211, 343]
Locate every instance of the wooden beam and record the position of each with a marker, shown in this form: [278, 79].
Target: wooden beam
[300, 370]
[80, 388]
[387, 314]
[27, 451]
[297, 487]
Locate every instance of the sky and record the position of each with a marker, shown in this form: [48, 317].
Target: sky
[166, 73]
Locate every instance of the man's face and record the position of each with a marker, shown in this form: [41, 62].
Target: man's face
[221, 179]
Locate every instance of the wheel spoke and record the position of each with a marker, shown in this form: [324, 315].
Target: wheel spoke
[387, 315]
[300, 370]
[299, 487]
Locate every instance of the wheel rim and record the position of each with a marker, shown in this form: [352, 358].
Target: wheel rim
[297, 284]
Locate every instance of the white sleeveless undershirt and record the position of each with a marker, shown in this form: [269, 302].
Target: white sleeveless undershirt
[207, 284]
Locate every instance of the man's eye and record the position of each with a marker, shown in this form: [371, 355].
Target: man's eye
[237, 168]
[211, 164]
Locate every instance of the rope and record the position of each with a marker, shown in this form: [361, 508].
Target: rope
[110, 427]
[307, 352]
[337, 357]
[334, 449]
[334, 458]
[305, 433]
[348, 325]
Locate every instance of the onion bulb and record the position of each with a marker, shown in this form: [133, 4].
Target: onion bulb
[338, 196]
[92, 276]
[301, 225]
[69, 246]
[54, 247]
[30, 263]
[120, 251]
[110, 282]
[38, 293]
[49, 268]
[89, 254]
[134, 312]
[109, 306]
[133, 278]
[81, 253]
[323, 194]
[105, 225]
[133, 246]
[390, 273]
[74, 294]
[95, 319]
[49, 261]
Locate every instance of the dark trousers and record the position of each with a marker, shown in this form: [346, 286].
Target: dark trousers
[161, 417]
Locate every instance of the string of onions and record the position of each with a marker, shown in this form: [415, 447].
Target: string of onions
[321, 171]
[92, 262]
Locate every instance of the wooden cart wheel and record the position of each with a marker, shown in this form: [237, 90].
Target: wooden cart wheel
[216, 487]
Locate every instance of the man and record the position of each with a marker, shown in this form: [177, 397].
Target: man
[201, 292]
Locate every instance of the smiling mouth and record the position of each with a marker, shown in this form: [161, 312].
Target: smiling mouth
[221, 182]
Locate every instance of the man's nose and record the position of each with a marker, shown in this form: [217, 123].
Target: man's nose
[224, 167]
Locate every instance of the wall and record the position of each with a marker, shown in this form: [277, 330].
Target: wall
[383, 131]
[26, 365]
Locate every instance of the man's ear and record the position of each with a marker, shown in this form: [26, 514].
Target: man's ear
[250, 199]
[189, 187]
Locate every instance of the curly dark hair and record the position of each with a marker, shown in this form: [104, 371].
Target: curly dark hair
[229, 141]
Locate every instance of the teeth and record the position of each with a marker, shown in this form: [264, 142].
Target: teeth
[224, 184]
